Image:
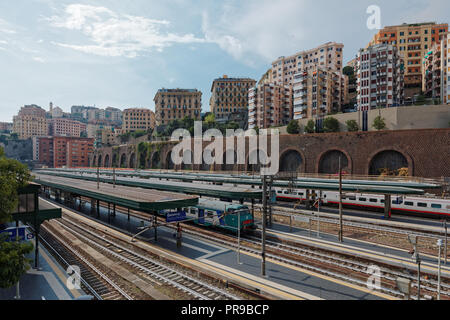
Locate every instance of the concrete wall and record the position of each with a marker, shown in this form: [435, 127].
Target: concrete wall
[401, 118]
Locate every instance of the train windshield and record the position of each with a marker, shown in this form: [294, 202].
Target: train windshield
[242, 211]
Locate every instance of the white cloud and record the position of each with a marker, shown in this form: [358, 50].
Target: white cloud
[257, 27]
[113, 34]
[39, 59]
[5, 27]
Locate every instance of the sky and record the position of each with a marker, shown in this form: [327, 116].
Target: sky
[119, 53]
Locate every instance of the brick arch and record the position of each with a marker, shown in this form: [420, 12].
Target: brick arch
[123, 161]
[94, 161]
[155, 159]
[106, 161]
[299, 151]
[167, 163]
[408, 158]
[347, 155]
[247, 159]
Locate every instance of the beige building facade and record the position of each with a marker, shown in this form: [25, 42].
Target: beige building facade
[413, 42]
[270, 105]
[30, 122]
[319, 92]
[328, 56]
[229, 95]
[175, 104]
[137, 120]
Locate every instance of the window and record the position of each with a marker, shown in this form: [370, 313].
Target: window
[436, 206]
[422, 205]
[373, 200]
[362, 199]
[408, 203]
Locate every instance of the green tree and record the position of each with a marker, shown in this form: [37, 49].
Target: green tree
[13, 262]
[14, 136]
[293, 127]
[330, 124]
[310, 127]
[13, 175]
[379, 123]
[210, 118]
[352, 126]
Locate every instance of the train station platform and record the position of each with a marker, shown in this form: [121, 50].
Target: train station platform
[47, 283]
[282, 281]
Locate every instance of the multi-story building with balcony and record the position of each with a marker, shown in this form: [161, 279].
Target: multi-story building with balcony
[319, 92]
[30, 122]
[327, 56]
[447, 72]
[435, 72]
[66, 127]
[270, 105]
[380, 77]
[137, 120]
[413, 41]
[230, 95]
[175, 104]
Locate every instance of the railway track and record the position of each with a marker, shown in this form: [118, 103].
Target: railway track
[159, 273]
[93, 281]
[333, 264]
[329, 263]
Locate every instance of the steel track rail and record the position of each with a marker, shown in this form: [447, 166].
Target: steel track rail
[174, 274]
[90, 265]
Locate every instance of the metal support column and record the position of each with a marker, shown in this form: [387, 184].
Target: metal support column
[155, 224]
[36, 249]
[109, 214]
[264, 222]
[341, 232]
[270, 202]
[98, 208]
[253, 209]
[128, 214]
[387, 206]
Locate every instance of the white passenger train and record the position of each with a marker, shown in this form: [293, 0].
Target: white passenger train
[432, 207]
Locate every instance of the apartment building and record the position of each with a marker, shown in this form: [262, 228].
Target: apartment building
[435, 69]
[57, 152]
[175, 104]
[229, 95]
[30, 122]
[43, 150]
[413, 41]
[138, 119]
[66, 127]
[448, 69]
[270, 105]
[319, 92]
[380, 77]
[328, 56]
[71, 152]
[6, 126]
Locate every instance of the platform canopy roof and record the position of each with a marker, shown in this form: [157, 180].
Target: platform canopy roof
[202, 189]
[357, 186]
[129, 197]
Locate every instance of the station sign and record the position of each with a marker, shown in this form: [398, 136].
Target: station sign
[175, 216]
[11, 233]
